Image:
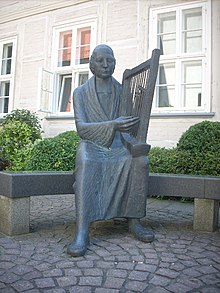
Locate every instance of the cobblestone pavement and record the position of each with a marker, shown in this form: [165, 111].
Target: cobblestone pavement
[179, 260]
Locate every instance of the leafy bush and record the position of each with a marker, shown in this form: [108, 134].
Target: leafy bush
[25, 116]
[54, 154]
[15, 141]
[18, 132]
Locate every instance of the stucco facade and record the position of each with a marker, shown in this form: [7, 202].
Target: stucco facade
[124, 25]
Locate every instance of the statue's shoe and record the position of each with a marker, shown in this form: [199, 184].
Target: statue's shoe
[77, 249]
[141, 233]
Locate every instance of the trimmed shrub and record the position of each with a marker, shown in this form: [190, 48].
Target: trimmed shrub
[54, 154]
[203, 137]
[197, 152]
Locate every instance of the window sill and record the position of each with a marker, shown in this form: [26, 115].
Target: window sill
[182, 114]
[60, 117]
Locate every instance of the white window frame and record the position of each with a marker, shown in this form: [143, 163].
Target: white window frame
[73, 69]
[180, 57]
[9, 77]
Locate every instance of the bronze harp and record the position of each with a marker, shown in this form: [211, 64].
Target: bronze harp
[137, 96]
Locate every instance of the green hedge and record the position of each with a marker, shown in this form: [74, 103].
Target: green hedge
[197, 152]
[174, 161]
[54, 154]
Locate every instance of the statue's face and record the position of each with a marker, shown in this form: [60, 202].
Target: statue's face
[103, 64]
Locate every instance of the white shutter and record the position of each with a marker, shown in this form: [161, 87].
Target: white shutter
[45, 89]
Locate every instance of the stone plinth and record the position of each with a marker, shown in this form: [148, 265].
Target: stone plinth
[14, 215]
[205, 214]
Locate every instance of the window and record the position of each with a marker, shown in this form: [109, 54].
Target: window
[182, 34]
[72, 46]
[7, 63]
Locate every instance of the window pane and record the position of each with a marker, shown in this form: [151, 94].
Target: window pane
[192, 30]
[192, 18]
[167, 33]
[4, 105]
[65, 44]
[192, 83]
[192, 96]
[83, 45]
[6, 59]
[83, 77]
[192, 72]
[167, 74]
[192, 41]
[4, 96]
[166, 96]
[65, 93]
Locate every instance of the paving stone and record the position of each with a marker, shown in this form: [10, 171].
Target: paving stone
[6, 265]
[58, 290]
[207, 269]
[160, 281]
[145, 267]
[2, 285]
[102, 252]
[8, 290]
[178, 287]
[9, 278]
[90, 281]
[106, 290]
[73, 272]
[117, 273]
[114, 283]
[85, 264]
[210, 289]
[33, 291]
[105, 265]
[136, 286]
[167, 273]
[22, 269]
[22, 286]
[44, 283]
[125, 265]
[32, 275]
[80, 289]
[93, 272]
[191, 282]
[66, 281]
[53, 273]
[210, 279]
[157, 289]
[138, 275]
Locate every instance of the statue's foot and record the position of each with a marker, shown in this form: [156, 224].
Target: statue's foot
[139, 231]
[78, 247]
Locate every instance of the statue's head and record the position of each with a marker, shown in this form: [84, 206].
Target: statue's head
[102, 61]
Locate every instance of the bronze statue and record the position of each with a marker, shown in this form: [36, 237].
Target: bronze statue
[110, 181]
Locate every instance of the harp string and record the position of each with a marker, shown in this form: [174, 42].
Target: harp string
[138, 86]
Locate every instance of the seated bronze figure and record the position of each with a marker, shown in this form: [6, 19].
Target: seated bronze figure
[111, 181]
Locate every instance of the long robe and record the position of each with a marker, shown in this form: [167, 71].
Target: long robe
[110, 183]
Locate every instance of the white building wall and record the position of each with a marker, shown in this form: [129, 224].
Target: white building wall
[122, 24]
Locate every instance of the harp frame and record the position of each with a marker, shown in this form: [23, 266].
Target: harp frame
[138, 86]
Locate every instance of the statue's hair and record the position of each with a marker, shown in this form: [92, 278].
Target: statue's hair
[92, 58]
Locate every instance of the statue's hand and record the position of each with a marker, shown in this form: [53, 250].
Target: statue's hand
[124, 124]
